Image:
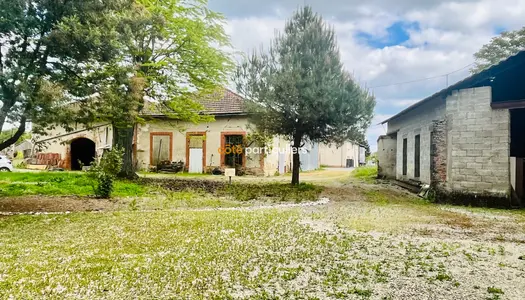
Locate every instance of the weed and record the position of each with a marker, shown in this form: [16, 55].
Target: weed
[366, 173]
[443, 277]
[133, 205]
[494, 290]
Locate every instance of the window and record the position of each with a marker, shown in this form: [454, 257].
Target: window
[232, 157]
[405, 142]
[160, 147]
[417, 156]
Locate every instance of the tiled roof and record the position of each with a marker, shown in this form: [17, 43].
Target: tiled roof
[229, 103]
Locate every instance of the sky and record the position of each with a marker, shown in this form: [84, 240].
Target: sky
[386, 42]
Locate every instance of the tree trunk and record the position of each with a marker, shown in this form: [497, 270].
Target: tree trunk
[123, 138]
[12, 140]
[296, 163]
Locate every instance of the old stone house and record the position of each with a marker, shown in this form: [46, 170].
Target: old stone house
[467, 141]
[162, 138]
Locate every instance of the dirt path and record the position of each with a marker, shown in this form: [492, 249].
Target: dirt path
[88, 208]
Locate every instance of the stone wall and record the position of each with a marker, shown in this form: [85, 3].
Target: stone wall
[416, 122]
[179, 130]
[58, 140]
[478, 143]
[438, 153]
[386, 156]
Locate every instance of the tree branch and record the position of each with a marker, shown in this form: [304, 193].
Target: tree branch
[66, 68]
[21, 130]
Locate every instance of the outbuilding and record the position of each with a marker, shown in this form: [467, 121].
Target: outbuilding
[467, 141]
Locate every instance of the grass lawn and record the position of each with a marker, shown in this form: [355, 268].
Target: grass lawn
[369, 242]
[366, 173]
[39, 191]
[59, 183]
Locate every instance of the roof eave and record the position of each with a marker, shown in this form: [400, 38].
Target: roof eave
[465, 83]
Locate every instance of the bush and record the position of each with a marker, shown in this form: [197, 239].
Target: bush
[104, 172]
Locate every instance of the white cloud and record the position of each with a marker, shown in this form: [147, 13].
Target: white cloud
[449, 33]
[471, 16]
[397, 103]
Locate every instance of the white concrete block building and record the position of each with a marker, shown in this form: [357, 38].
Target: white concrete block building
[467, 141]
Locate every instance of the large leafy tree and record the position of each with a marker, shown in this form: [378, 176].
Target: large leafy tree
[170, 54]
[298, 88]
[500, 48]
[45, 46]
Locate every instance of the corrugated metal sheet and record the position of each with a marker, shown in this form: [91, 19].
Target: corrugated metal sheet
[310, 160]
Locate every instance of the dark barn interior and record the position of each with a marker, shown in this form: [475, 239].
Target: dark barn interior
[82, 153]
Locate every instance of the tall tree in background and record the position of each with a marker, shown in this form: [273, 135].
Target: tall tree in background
[171, 55]
[299, 88]
[500, 48]
[45, 45]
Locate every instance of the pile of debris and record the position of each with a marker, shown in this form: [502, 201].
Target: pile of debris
[169, 167]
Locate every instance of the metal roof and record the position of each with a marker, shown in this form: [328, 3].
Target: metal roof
[472, 81]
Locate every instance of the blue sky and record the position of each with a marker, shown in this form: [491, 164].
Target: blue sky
[385, 42]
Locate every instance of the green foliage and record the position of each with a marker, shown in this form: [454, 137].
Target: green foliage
[367, 173]
[7, 134]
[494, 290]
[170, 52]
[259, 138]
[104, 172]
[372, 157]
[300, 89]
[46, 47]
[500, 48]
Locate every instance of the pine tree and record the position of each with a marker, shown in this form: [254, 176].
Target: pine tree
[45, 48]
[299, 88]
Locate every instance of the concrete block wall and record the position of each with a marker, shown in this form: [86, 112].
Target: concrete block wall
[478, 143]
[418, 121]
[386, 156]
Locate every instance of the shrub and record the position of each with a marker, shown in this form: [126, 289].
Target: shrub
[104, 172]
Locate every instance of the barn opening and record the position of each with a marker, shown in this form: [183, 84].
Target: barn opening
[405, 156]
[83, 153]
[517, 152]
[417, 156]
